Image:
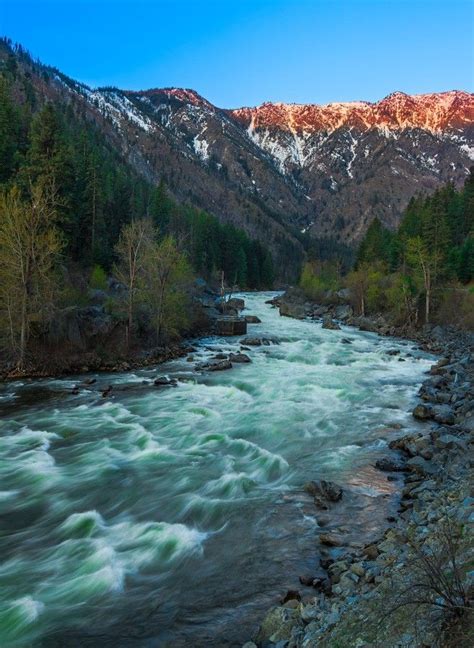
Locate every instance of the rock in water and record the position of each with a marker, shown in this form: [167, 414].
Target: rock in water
[389, 465]
[239, 357]
[295, 310]
[220, 366]
[329, 323]
[325, 490]
[259, 341]
[164, 381]
[252, 319]
[331, 539]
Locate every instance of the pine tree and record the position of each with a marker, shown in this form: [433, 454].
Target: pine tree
[9, 132]
[376, 244]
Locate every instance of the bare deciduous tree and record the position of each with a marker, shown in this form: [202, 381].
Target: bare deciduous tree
[132, 249]
[30, 245]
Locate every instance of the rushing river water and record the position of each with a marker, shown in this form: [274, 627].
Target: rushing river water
[175, 516]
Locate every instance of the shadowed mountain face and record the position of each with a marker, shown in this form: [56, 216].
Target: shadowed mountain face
[281, 169]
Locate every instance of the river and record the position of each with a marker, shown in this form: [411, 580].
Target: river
[175, 516]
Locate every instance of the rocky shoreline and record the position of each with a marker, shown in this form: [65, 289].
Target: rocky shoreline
[413, 586]
[92, 362]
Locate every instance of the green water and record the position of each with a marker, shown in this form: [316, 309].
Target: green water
[169, 517]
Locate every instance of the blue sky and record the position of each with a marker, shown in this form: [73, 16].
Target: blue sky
[244, 52]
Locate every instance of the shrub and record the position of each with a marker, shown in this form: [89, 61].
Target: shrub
[98, 278]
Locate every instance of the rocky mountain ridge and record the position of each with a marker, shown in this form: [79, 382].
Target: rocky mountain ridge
[282, 172]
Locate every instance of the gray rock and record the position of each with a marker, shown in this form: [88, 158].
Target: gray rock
[278, 625]
[329, 323]
[239, 357]
[296, 310]
[389, 465]
[259, 341]
[164, 381]
[421, 466]
[450, 442]
[220, 366]
[422, 413]
[331, 539]
[326, 490]
[443, 414]
[343, 312]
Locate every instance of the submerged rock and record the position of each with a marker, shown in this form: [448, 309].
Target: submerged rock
[325, 490]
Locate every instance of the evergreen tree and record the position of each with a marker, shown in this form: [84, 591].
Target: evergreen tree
[376, 245]
[9, 133]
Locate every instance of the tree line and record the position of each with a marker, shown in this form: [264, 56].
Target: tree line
[420, 273]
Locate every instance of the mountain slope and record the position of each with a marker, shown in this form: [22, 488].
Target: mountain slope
[281, 169]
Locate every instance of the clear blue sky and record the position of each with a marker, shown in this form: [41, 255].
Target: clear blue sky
[244, 52]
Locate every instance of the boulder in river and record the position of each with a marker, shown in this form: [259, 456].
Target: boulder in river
[259, 341]
[222, 365]
[164, 381]
[331, 539]
[239, 357]
[292, 309]
[329, 323]
[107, 391]
[252, 319]
[325, 490]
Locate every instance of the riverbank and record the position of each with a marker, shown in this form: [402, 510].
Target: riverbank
[413, 586]
[92, 342]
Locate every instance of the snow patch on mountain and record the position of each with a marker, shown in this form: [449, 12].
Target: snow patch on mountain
[468, 150]
[118, 107]
[201, 147]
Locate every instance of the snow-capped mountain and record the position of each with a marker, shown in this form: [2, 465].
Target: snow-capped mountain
[281, 169]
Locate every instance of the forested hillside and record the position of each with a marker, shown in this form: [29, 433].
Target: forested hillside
[68, 202]
[420, 273]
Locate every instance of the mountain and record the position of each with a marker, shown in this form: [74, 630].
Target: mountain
[357, 160]
[280, 170]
